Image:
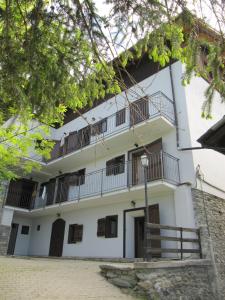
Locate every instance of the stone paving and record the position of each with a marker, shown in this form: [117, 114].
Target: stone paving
[54, 279]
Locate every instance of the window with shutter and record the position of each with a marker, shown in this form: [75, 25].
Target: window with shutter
[71, 142]
[75, 233]
[115, 166]
[139, 111]
[77, 178]
[101, 227]
[121, 117]
[99, 127]
[84, 135]
[108, 227]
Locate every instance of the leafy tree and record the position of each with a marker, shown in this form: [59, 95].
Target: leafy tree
[60, 54]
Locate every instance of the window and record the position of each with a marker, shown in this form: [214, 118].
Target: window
[120, 117]
[38, 227]
[25, 229]
[108, 227]
[99, 127]
[75, 233]
[77, 178]
[115, 166]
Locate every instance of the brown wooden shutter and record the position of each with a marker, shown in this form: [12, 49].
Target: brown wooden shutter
[101, 227]
[63, 188]
[71, 234]
[121, 117]
[155, 163]
[50, 191]
[84, 135]
[55, 153]
[109, 221]
[154, 218]
[71, 142]
[14, 192]
[78, 233]
[139, 111]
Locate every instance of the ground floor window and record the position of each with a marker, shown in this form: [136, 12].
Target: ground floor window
[108, 227]
[75, 233]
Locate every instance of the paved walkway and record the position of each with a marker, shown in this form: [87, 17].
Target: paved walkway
[54, 279]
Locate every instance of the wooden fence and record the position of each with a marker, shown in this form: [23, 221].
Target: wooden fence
[154, 234]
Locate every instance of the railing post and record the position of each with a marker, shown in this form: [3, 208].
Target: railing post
[162, 163]
[102, 182]
[128, 174]
[181, 243]
[79, 190]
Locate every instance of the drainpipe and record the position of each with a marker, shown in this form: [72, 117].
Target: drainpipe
[175, 107]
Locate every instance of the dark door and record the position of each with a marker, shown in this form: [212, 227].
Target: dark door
[139, 111]
[12, 239]
[154, 218]
[139, 236]
[57, 237]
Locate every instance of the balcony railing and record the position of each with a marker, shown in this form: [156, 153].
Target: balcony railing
[139, 111]
[162, 166]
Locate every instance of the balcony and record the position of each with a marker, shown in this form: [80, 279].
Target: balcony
[126, 176]
[156, 110]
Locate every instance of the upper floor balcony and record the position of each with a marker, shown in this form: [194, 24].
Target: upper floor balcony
[154, 112]
[122, 177]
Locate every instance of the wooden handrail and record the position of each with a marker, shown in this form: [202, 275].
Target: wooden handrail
[167, 227]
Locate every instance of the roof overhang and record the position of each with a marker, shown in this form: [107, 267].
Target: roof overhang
[214, 138]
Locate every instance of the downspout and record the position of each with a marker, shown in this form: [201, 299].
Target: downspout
[174, 103]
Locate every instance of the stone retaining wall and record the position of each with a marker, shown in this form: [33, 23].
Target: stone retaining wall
[210, 217]
[4, 238]
[169, 280]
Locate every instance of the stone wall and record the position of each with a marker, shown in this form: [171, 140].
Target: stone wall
[210, 217]
[4, 238]
[166, 280]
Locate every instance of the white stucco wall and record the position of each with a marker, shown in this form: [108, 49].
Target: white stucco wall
[92, 245]
[22, 240]
[6, 216]
[211, 163]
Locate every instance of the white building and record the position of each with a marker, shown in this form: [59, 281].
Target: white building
[89, 200]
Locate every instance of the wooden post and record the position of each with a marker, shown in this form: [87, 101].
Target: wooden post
[181, 243]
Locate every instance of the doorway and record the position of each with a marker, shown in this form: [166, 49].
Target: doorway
[12, 239]
[57, 238]
[139, 236]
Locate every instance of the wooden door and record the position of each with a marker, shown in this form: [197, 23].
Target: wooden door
[12, 239]
[139, 236]
[154, 218]
[57, 238]
[139, 111]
